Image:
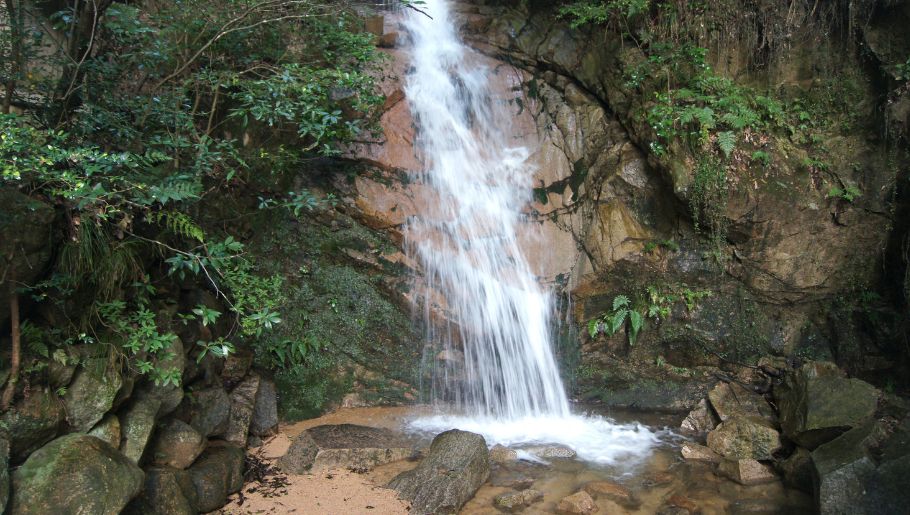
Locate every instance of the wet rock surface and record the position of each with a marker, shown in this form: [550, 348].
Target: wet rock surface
[455, 466]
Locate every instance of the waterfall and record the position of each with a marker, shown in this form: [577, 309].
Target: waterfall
[467, 241]
[481, 300]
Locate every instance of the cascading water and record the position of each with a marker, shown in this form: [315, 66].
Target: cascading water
[497, 365]
[468, 243]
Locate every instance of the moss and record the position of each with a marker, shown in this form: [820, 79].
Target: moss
[338, 302]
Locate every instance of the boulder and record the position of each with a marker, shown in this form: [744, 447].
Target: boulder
[700, 420]
[817, 404]
[797, 470]
[457, 463]
[243, 402]
[32, 423]
[747, 471]
[742, 438]
[108, 430]
[864, 470]
[577, 503]
[345, 446]
[208, 411]
[166, 491]
[177, 445]
[215, 475]
[732, 399]
[91, 394]
[694, 452]
[612, 491]
[136, 425]
[75, 474]
[514, 502]
[502, 454]
[265, 411]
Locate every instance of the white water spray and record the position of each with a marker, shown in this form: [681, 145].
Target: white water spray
[497, 365]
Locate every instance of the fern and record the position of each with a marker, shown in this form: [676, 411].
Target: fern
[636, 322]
[173, 190]
[727, 142]
[620, 301]
[178, 223]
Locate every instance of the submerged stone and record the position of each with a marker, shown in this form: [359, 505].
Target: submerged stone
[579, 503]
[514, 502]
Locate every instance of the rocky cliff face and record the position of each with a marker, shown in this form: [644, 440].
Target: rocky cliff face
[796, 270]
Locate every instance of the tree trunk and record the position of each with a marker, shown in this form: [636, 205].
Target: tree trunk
[14, 360]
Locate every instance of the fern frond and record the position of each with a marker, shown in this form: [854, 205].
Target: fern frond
[178, 223]
[727, 142]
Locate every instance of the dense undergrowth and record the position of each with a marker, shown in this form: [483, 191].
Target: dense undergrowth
[129, 119]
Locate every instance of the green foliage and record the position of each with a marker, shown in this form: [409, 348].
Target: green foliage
[136, 330]
[902, 71]
[651, 304]
[708, 198]
[726, 141]
[597, 12]
[848, 192]
[762, 157]
[670, 245]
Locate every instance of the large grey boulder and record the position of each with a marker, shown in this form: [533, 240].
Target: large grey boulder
[166, 491]
[455, 466]
[91, 394]
[75, 474]
[864, 471]
[137, 423]
[345, 446]
[215, 475]
[177, 444]
[207, 410]
[32, 423]
[817, 404]
[265, 412]
[243, 402]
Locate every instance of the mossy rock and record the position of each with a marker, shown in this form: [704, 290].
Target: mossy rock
[91, 394]
[32, 423]
[75, 474]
